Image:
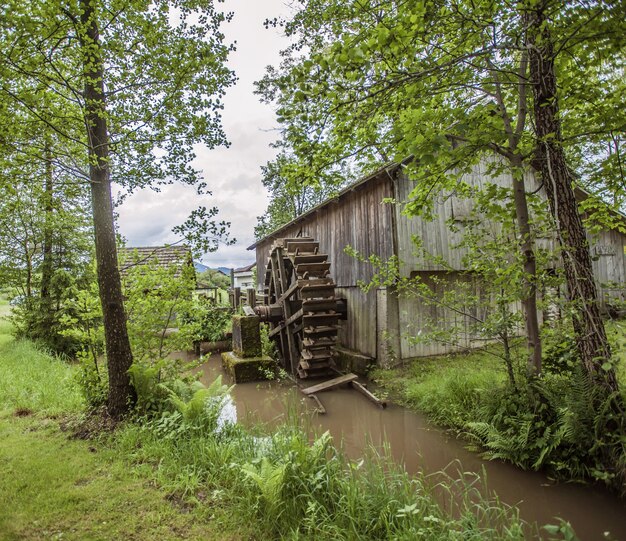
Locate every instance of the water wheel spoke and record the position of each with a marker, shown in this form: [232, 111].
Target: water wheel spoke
[298, 286]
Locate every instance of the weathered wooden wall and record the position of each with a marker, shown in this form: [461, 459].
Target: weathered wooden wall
[358, 332]
[437, 237]
[609, 267]
[356, 218]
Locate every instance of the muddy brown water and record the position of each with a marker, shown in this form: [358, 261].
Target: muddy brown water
[414, 443]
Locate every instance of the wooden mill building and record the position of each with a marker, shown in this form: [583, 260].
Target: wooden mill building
[380, 323]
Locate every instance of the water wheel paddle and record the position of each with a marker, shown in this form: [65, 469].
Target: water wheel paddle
[301, 307]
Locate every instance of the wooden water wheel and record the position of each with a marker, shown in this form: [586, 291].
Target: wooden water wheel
[301, 307]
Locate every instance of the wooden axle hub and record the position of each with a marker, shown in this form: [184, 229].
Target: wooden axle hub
[273, 313]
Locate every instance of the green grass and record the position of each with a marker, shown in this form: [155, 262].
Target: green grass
[169, 477]
[446, 388]
[55, 488]
[32, 379]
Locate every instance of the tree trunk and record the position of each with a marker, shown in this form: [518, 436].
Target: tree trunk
[527, 249]
[591, 340]
[47, 266]
[119, 355]
[529, 295]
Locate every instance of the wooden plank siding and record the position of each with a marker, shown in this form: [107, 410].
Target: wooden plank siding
[437, 237]
[357, 218]
[609, 267]
[358, 331]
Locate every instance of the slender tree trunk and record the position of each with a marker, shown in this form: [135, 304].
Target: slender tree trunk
[591, 339]
[119, 355]
[47, 265]
[527, 248]
[29, 271]
[529, 295]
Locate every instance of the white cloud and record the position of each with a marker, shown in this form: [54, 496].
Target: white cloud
[233, 174]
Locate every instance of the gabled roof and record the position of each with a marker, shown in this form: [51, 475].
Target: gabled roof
[161, 256]
[247, 268]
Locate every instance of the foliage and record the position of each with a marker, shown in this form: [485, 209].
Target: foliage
[155, 296]
[290, 488]
[33, 226]
[214, 278]
[440, 81]
[93, 381]
[268, 346]
[438, 86]
[205, 322]
[289, 200]
[553, 424]
[171, 396]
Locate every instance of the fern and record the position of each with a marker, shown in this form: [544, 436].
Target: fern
[269, 479]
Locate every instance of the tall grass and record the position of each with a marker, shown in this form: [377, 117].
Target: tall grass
[31, 379]
[292, 489]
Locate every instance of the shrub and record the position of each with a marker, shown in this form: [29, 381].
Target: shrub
[205, 322]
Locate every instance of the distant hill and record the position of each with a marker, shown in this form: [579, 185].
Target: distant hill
[199, 266]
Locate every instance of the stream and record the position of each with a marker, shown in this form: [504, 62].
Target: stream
[413, 442]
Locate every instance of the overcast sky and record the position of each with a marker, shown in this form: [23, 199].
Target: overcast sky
[233, 174]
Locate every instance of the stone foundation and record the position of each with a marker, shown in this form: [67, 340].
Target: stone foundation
[246, 336]
[353, 361]
[243, 369]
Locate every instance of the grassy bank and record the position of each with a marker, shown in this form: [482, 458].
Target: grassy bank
[557, 423]
[182, 474]
[53, 486]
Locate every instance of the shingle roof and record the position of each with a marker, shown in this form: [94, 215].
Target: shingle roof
[247, 268]
[162, 256]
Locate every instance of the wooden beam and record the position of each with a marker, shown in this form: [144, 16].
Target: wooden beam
[341, 380]
[293, 317]
[320, 407]
[370, 396]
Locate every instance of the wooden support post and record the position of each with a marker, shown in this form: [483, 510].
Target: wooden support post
[251, 295]
[380, 403]
[236, 298]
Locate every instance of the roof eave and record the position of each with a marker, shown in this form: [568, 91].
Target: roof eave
[387, 169]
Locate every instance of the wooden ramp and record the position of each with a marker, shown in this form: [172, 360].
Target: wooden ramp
[331, 383]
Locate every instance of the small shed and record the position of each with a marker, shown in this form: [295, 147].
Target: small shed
[379, 322]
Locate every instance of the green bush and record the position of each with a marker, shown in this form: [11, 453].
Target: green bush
[205, 322]
[93, 381]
